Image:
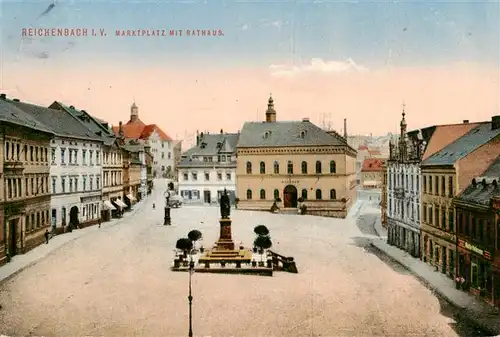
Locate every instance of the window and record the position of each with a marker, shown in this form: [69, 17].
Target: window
[20, 187]
[163, 155]
[91, 157]
[32, 183]
[194, 175]
[318, 194]
[425, 184]
[318, 166]
[7, 150]
[276, 194]
[25, 152]
[431, 216]
[333, 194]
[186, 176]
[9, 187]
[450, 187]
[480, 229]
[228, 175]
[443, 217]
[262, 167]
[91, 182]
[443, 186]
[84, 157]
[63, 184]
[436, 185]
[430, 184]
[53, 156]
[84, 180]
[219, 176]
[290, 167]
[249, 194]
[71, 184]
[37, 158]
[207, 176]
[97, 157]
[304, 194]
[54, 180]
[304, 167]
[436, 217]
[276, 167]
[262, 194]
[32, 157]
[63, 154]
[249, 167]
[333, 167]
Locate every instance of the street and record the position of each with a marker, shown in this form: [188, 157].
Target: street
[116, 281]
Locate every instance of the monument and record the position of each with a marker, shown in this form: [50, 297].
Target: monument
[224, 249]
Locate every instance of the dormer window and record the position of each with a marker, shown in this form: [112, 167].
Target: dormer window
[303, 134]
[219, 145]
[267, 134]
[203, 145]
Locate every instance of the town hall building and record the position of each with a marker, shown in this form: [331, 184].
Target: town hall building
[286, 160]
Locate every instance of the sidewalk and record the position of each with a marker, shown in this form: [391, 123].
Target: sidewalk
[381, 231]
[20, 262]
[481, 314]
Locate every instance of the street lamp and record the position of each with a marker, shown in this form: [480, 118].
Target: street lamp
[190, 298]
[166, 219]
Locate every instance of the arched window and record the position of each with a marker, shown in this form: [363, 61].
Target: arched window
[318, 167]
[249, 194]
[276, 167]
[263, 194]
[276, 194]
[304, 167]
[249, 167]
[290, 167]
[333, 167]
[304, 194]
[333, 194]
[262, 167]
[318, 194]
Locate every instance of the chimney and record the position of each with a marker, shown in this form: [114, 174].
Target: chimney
[120, 129]
[3, 96]
[466, 121]
[305, 119]
[72, 107]
[345, 128]
[495, 122]
[16, 99]
[221, 131]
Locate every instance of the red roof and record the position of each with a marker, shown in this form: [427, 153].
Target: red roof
[372, 165]
[374, 152]
[138, 130]
[363, 147]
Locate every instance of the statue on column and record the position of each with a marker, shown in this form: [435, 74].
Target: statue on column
[225, 205]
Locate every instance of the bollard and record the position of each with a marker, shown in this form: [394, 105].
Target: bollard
[167, 220]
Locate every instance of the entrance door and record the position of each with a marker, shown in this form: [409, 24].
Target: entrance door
[206, 197]
[63, 216]
[73, 216]
[13, 237]
[290, 196]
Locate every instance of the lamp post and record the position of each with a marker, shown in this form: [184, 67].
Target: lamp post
[190, 298]
[166, 219]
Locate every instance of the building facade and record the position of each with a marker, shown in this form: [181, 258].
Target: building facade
[372, 173]
[24, 181]
[133, 182]
[476, 235]
[148, 158]
[291, 160]
[403, 192]
[161, 145]
[208, 168]
[496, 258]
[445, 175]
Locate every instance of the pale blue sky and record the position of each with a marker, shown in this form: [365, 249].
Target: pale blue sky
[263, 32]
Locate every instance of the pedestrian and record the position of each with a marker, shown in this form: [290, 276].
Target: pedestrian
[46, 236]
[154, 206]
[99, 222]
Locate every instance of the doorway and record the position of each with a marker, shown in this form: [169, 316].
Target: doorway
[290, 196]
[13, 236]
[73, 217]
[206, 197]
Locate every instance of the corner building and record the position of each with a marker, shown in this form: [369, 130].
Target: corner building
[292, 159]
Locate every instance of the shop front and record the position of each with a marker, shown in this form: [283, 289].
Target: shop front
[474, 271]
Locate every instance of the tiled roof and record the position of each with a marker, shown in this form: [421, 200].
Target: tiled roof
[484, 187]
[362, 147]
[463, 146]
[283, 134]
[443, 135]
[372, 165]
[61, 123]
[10, 114]
[210, 145]
[188, 163]
[138, 130]
[89, 121]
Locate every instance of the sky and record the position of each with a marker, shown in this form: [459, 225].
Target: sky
[326, 60]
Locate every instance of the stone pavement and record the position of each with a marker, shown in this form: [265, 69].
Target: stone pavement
[480, 313]
[20, 262]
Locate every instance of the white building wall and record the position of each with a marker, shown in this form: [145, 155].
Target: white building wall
[163, 153]
[75, 179]
[193, 183]
[144, 176]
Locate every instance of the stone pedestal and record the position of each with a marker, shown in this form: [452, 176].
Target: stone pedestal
[225, 241]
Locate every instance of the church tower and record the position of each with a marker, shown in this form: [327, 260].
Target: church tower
[270, 112]
[403, 138]
[134, 113]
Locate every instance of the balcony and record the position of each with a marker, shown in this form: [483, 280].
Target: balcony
[13, 165]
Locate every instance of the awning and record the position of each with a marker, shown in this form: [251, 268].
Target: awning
[109, 205]
[120, 203]
[131, 197]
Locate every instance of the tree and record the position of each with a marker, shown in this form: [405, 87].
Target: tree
[171, 186]
[261, 230]
[194, 235]
[263, 242]
[184, 244]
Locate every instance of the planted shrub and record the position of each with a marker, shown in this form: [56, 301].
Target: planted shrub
[303, 209]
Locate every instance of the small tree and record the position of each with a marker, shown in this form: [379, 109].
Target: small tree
[263, 243]
[185, 245]
[261, 230]
[194, 236]
[171, 186]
